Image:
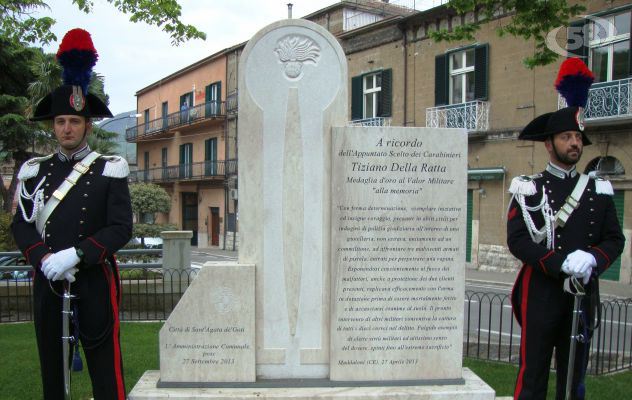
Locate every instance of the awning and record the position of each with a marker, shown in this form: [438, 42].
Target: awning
[485, 174]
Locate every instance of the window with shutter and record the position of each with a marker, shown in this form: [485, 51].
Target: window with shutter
[441, 80]
[371, 95]
[386, 94]
[356, 97]
[462, 76]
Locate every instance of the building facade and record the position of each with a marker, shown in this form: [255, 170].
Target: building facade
[399, 76]
[183, 145]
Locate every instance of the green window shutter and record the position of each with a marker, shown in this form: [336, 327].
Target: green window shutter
[613, 272]
[356, 97]
[441, 80]
[575, 34]
[385, 105]
[468, 235]
[481, 71]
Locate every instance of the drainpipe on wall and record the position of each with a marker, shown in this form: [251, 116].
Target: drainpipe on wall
[405, 45]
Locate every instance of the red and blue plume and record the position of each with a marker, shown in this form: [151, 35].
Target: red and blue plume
[573, 82]
[77, 56]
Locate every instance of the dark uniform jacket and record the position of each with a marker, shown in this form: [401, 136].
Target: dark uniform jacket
[592, 227]
[95, 215]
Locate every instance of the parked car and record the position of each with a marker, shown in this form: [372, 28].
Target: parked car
[150, 242]
[14, 260]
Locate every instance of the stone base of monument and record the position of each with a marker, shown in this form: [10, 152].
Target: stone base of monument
[473, 388]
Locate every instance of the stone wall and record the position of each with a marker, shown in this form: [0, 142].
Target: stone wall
[496, 258]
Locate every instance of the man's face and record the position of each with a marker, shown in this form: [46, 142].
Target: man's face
[565, 148]
[71, 131]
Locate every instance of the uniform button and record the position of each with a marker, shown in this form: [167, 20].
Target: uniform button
[83, 209]
[552, 201]
[51, 164]
[592, 209]
[85, 195]
[48, 184]
[80, 236]
[91, 172]
[48, 235]
[87, 183]
[548, 182]
[47, 222]
[81, 222]
[592, 222]
[588, 189]
[590, 235]
[559, 247]
[49, 174]
[47, 196]
[559, 236]
[550, 191]
[591, 199]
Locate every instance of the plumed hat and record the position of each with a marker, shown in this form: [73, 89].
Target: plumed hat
[77, 56]
[573, 81]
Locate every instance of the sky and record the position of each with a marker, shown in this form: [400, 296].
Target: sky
[135, 55]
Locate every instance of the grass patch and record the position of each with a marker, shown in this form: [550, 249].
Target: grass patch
[20, 370]
[502, 377]
[20, 375]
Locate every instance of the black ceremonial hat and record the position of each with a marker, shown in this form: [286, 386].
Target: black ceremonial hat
[573, 82]
[77, 56]
[549, 124]
[67, 100]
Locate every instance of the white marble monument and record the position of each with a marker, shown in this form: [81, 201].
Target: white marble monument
[292, 90]
[357, 239]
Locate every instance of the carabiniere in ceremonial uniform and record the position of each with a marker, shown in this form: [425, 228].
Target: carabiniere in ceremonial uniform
[76, 207]
[560, 224]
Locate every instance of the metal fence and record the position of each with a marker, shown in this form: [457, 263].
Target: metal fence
[491, 333]
[150, 293]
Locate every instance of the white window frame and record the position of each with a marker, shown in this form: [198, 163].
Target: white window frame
[460, 71]
[374, 92]
[609, 41]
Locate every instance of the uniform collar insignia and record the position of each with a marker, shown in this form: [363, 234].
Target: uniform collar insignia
[76, 156]
[560, 172]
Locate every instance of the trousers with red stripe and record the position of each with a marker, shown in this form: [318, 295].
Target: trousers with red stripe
[96, 289]
[546, 314]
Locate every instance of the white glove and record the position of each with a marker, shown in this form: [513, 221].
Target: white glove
[566, 267]
[580, 264]
[70, 275]
[55, 266]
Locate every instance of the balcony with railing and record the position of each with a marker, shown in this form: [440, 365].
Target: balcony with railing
[193, 115]
[205, 170]
[472, 115]
[232, 105]
[607, 101]
[377, 121]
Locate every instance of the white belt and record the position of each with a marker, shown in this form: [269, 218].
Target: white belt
[572, 201]
[78, 170]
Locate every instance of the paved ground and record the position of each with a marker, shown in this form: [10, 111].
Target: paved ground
[479, 279]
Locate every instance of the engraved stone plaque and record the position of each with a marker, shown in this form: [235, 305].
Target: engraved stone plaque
[398, 253]
[209, 336]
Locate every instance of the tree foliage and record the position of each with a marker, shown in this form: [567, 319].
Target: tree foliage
[148, 198]
[6, 237]
[17, 23]
[530, 20]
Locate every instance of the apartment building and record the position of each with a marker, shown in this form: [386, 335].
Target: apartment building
[183, 145]
[399, 76]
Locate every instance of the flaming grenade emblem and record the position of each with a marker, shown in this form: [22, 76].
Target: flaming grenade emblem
[294, 51]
